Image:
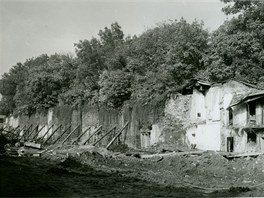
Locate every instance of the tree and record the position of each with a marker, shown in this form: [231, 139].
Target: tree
[9, 83]
[49, 77]
[237, 47]
[115, 87]
[164, 58]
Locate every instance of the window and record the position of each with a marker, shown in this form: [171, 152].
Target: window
[230, 144]
[230, 116]
[252, 112]
[251, 137]
[198, 115]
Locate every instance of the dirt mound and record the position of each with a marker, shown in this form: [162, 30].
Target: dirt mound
[122, 148]
[70, 162]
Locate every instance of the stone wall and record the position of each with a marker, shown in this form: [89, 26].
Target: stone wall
[163, 123]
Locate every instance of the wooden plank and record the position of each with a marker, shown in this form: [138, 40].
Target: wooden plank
[74, 141]
[47, 132]
[236, 155]
[62, 134]
[70, 134]
[36, 136]
[9, 130]
[118, 134]
[18, 133]
[16, 129]
[108, 132]
[173, 154]
[32, 145]
[97, 130]
[26, 131]
[52, 134]
[33, 131]
[14, 135]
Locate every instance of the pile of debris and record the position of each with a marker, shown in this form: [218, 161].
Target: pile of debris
[23, 149]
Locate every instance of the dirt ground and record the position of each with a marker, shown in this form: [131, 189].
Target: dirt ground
[28, 177]
[96, 172]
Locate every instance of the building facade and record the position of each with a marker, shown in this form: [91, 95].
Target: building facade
[226, 116]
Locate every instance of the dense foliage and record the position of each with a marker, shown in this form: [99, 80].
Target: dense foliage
[112, 68]
[237, 48]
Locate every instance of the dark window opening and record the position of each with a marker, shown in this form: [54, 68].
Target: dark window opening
[230, 144]
[252, 108]
[252, 112]
[187, 91]
[230, 116]
[251, 137]
[199, 115]
[1, 120]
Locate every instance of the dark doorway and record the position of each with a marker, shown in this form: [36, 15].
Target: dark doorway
[230, 144]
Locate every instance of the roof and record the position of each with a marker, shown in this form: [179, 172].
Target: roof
[246, 97]
[245, 83]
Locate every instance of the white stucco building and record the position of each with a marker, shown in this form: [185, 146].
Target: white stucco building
[226, 116]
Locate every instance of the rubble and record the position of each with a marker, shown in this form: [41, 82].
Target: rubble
[207, 171]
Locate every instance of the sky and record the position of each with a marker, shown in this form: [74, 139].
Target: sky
[31, 28]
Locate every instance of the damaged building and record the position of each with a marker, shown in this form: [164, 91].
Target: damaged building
[226, 116]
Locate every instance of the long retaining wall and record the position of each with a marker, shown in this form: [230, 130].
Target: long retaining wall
[148, 124]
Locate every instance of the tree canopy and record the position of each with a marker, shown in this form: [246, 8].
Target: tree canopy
[237, 47]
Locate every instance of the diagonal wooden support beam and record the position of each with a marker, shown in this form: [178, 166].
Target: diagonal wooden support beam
[70, 134]
[14, 132]
[16, 129]
[82, 134]
[24, 134]
[36, 128]
[93, 134]
[47, 132]
[69, 127]
[36, 136]
[19, 130]
[117, 135]
[108, 132]
[53, 133]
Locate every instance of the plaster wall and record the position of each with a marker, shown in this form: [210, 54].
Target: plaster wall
[205, 136]
[240, 115]
[212, 103]
[198, 106]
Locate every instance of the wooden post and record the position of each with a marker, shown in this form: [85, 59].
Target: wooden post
[108, 132]
[14, 132]
[94, 133]
[62, 134]
[80, 135]
[28, 130]
[11, 130]
[36, 136]
[52, 133]
[70, 134]
[46, 132]
[19, 130]
[117, 135]
[33, 131]
[16, 128]
[24, 134]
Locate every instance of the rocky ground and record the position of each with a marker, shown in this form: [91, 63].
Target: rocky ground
[95, 172]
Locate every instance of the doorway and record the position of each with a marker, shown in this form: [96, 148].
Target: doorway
[230, 144]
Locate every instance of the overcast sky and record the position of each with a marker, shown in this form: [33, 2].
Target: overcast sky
[30, 28]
